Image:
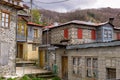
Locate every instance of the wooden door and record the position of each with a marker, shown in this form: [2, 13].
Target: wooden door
[41, 58]
[64, 67]
[20, 51]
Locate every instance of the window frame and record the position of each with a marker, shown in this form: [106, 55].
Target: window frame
[91, 68]
[5, 12]
[36, 33]
[34, 48]
[107, 34]
[76, 66]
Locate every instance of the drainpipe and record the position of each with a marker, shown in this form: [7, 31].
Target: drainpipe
[47, 49]
[16, 40]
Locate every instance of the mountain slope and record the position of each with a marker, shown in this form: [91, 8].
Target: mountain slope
[94, 15]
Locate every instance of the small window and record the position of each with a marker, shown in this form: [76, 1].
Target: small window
[35, 33]
[33, 47]
[107, 34]
[77, 66]
[5, 19]
[111, 73]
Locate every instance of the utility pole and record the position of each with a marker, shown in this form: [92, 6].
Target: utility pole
[31, 2]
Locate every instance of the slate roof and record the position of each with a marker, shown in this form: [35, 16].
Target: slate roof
[93, 45]
[83, 23]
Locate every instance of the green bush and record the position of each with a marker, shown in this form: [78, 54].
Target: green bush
[56, 78]
[25, 77]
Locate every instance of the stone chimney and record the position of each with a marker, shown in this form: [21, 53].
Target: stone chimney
[111, 20]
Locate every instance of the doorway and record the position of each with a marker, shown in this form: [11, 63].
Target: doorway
[64, 67]
[41, 58]
[20, 51]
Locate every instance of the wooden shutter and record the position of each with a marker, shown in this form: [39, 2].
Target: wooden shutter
[66, 33]
[93, 34]
[118, 36]
[79, 33]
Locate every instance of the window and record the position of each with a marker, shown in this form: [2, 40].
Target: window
[77, 66]
[22, 29]
[35, 33]
[107, 34]
[5, 18]
[111, 73]
[92, 67]
[33, 47]
[93, 34]
[79, 33]
[66, 33]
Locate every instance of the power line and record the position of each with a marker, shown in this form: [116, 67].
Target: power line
[52, 2]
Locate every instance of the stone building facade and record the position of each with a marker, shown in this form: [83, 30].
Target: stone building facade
[29, 37]
[88, 63]
[85, 51]
[79, 32]
[8, 20]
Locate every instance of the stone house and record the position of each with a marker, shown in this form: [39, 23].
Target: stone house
[85, 50]
[8, 22]
[29, 37]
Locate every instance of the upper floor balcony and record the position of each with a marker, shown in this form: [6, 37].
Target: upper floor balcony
[13, 3]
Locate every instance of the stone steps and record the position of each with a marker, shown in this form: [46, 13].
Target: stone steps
[46, 75]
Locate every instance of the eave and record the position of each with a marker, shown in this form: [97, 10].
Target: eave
[94, 45]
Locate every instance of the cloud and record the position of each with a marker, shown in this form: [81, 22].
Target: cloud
[64, 6]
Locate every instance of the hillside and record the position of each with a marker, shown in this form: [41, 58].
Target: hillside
[94, 15]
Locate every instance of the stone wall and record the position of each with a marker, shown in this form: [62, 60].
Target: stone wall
[31, 34]
[8, 44]
[108, 57]
[57, 34]
[32, 55]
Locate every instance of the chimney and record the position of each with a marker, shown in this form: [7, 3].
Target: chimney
[111, 20]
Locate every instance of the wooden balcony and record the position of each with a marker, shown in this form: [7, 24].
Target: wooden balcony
[12, 3]
[36, 40]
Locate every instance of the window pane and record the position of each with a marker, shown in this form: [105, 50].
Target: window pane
[79, 62]
[3, 19]
[6, 24]
[95, 73]
[2, 24]
[7, 16]
[3, 14]
[88, 62]
[89, 73]
[95, 63]
[6, 20]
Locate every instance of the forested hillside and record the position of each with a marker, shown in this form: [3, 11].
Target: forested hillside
[93, 15]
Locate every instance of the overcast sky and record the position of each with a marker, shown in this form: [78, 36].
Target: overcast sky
[76, 4]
